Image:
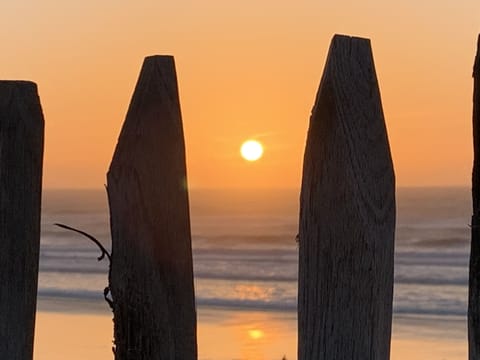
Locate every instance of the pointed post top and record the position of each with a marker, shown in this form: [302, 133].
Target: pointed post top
[476, 66]
[476, 137]
[154, 110]
[159, 58]
[24, 87]
[157, 76]
[345, 47]
[337, 38]
[164, 63]
[349, 100]
[350, 45]
[22, 83]
[20, 94]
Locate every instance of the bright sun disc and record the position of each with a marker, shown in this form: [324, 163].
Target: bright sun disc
[255, 334]
[251, 150]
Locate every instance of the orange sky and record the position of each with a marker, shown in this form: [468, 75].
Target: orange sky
[246, 69]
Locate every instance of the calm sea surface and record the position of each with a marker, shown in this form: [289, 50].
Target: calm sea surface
[245, 254]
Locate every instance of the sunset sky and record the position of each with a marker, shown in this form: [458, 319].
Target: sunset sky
[246, 69]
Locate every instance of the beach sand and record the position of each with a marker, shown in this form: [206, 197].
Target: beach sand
[227, 335]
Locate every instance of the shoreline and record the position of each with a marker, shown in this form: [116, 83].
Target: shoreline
[225, 334]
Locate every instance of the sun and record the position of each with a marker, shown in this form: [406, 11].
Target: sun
[255, 334]
[251, 150]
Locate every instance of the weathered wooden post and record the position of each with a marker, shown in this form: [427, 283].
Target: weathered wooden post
[474, 277]
[347, 214]
[151, 276]
[21, 159]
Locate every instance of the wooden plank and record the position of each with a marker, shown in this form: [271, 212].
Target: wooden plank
[151, 275]
[21, 158]
[474, 276]
[347, 214]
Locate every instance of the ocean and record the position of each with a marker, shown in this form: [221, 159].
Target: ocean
[246, 256]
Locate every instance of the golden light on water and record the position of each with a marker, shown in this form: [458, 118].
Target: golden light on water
[251, 150]
[256, 334]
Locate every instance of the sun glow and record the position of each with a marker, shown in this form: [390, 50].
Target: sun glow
[255, 334]
[251, 150]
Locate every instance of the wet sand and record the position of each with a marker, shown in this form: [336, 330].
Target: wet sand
[226, 335]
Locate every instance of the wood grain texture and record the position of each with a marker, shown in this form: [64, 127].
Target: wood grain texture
[474, 275]
[347, 214]
[151, 277]
[21, 158]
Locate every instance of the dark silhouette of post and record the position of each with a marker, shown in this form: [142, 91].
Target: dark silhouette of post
[151, 277]
[347, 214]
[21, 159]
[474, 277]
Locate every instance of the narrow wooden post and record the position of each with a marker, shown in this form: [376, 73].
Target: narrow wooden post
[347, 214]
[21, 158]
[151, 275]
[474, 277]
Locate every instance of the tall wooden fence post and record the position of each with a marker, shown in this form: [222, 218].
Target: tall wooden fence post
[474, 277]
[347, 214]
[21, 159]
[151, 276]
